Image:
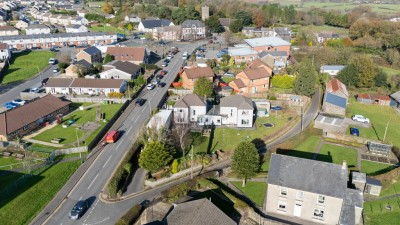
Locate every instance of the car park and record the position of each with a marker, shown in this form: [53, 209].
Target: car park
[360, 118]
[355, 131]
[140, 101]
[150, 86]
[79, 209]
[19, 101]
[276, 108]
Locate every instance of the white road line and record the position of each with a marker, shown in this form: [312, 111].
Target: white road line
[136, 119]
[129, 129]
[107, 161]
[154, 94]
[93, 181]
[119, 144]
[98, 221]
[80, 198]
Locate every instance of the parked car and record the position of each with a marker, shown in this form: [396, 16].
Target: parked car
[53, 49]
[55, 70]
[35, 90]
[10, 105]
[167, 60]
[150, 86]
[165, 64]
[155, 82]
[163, 72]
[354, 131]
[140, 101]
[360, 118]
[170, 56]
[161, 84]
[44, 81]
[229, 74]
[19, 101]
[79, 209]
[159, 77]
[52, 61]
[276, 108]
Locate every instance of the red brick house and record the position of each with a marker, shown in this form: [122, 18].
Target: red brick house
[268, 44]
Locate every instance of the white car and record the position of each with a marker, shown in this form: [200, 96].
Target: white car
[150, 86]
[359, 118]
[19, 102]
[55, 70]
[52, 61]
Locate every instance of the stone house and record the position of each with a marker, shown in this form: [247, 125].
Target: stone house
[193, 30]
[335, 98]
[167, 33]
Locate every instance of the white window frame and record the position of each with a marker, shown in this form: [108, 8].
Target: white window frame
[282, 206]
[299, 195]
[283, 191]
[319, 211]
[321, 199]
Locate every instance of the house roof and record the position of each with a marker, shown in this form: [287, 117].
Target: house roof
[190, 23]
[198, 212]
[155, 23]
[381, 97]
[37, 26]
[363, 96]
[274, 54]
[197, 72]
[225, 22]
[189, 100]
[335, 100]
[374, 182]
[125, 66]
[238, 101]
[335, 86]
[256, 73]
[332, 67]
[92, 50]
[5, 28]
[74, 26]
[239, 83]
[134, 53]
[56, 35]
[241, 51]
[257, 63]
[266, 41]
[59, 82]
[308, 175]
[97, 83]
[396, 96]
[353, 198]
[3, 46]
[168, 29]
[17, 118]
[83, 63]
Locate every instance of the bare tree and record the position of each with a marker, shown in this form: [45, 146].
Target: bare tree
[64, 58]
[182, 130]
[228, 37]
[154, 132]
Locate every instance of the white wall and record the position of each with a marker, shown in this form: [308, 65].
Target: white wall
[116, 74]
[231, 112]
[196, 111]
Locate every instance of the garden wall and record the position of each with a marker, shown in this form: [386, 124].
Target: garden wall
[180, 91]
[95, 99]
[71, 150]
[173, 176]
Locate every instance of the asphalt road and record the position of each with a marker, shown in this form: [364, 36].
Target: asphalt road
[95, 178]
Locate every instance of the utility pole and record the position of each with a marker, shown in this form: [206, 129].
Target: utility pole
[387, 125]
[301, 118]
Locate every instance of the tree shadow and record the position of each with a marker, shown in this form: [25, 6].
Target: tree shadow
[304, 155]
[211, 139]
[260, 145]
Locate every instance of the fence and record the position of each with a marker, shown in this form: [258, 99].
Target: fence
[180, 91]
[70, 150]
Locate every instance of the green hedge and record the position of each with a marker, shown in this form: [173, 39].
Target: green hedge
[131, 216]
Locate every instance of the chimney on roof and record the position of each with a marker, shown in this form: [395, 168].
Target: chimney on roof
[344, 164]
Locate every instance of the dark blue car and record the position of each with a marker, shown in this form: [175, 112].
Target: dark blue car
[354, 131]
[276, 107]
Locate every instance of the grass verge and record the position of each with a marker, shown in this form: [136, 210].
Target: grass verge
[254, 190]
[374, 168]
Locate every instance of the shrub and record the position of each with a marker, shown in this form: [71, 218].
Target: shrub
[115, 95]
[131, 216]
[62, 65]
[175, 165]
[148, 66]
[272, 97]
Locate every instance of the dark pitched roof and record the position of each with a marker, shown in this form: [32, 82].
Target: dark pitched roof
[92, 50]
[83, 63]
[17, 118]
[190, 23]
[335, 100]
[189, 100]
[396, 96]
[59, 82]
[198, 212]
[97, 83]
[308, 175]
[374, 182]
[193, 73]
[238, 101]
[155, 23]
[37, 26]
[126, 66]
[275, 54]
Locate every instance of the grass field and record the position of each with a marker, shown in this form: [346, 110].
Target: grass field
[107, 29]
[376, 212]
[7, 161]
[336, 154]
[69, 134]
[305, 149]
[390, 71]
[254, 190]
[315, 29]
[25, 65]
[23, 203]
[379, 116]
[374, 168]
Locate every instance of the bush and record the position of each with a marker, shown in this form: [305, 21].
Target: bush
[283, 81]
[62, 65]
[273, 97]
[115, 95]
[178, 191]
[149, 66]
[175, 165]
[131, 216]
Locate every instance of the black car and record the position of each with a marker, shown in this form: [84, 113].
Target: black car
[44, 81]
[79, 209]
[140, 101]
[161, 84]
[159, 77]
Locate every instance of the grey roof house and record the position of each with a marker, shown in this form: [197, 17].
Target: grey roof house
[150, 25]
[336, 98]
[120, 70]
[193, 30]
[395, 99]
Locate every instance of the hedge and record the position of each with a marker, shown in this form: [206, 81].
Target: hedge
[131, 216]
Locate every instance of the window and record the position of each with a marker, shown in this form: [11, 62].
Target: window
[180, 110]
[299, 196]
[321, 199]
[282, 206]
[245, 122]
[194, 112]
[319, 213]
[231, 112]
[283, 191]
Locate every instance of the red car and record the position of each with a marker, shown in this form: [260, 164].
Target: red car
[163, 72]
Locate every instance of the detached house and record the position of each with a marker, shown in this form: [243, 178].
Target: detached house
[132, 18]
[268, 44]
[193, 30]
[91, 55]
[22, 24]
[151, 25]
[81, 86]
[335, 98]
[120, 70]
[167, 33]
[189, 108]
[37, 29]
[237, 110]
[135, 55]
[190, 75]
[76, 28]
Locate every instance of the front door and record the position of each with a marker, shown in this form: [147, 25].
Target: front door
[297, 210]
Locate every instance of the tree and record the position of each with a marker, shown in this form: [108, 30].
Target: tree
[107, 8]
[306, 78]
[154, 156]
[203, 87]
[226, 58]
[365, 70]
[108, 58]
[227, 37]
[348, 75]
[182, 130]
[212, 63]
[245, 17]
[381, 78]
[245, 161]
[259, 18]
[214, 25]
[392, 56]
[129, 27]
[236, 26]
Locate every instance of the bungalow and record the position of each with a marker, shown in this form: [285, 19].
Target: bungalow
[335, 98]
[8, 31]
[332, 70]
[150, 25]
[22, 24]
[80, 67]
[76, 28]
[132, 19]
[190, 75]
[135, 55]
[82, 86]
[120, 70]
[395, 102]
[193, 30]
[242, 54]
[168, 33]
[25, 119]
[374, 99]
[268, 44]
[91, 55]
[37, 29]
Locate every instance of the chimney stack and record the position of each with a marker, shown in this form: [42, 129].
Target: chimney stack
[344, 164]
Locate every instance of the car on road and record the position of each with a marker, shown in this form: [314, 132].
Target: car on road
[165, 64]
[19, 101]
[155, 82]
[355, 131]
[159, 77]
[360, 118]
[229, 74]
[35, 90]
[140, 101]
[55, 70]
[79, 209]
[167, 60]
[52, 61]
[161, 84]
[163, 72]
[10, 105]
[170, 56]
[112, 136]
[277, 107]
[150, 86]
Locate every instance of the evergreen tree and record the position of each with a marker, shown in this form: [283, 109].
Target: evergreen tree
[155, 156]
[306, 79]
[203, 87]
[245, 161]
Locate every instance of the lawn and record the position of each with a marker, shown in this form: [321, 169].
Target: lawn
[336, 154]
[305, 149]
[391, 189]
[69, 134]
[7, 161]
[6, 179]
[379, 116]
[25, 65]
[374, 168]
[229, 138]
[254, 190]
[35, 194]
[390, 71]
[375, 212]
[227, 79]
[108, 29]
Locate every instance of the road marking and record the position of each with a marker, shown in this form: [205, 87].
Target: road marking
[129, 129]
[97, 222]
[136, 119]
[80, 198]
[154, 94]
[93, 181]
[119, 144]
[107, 161]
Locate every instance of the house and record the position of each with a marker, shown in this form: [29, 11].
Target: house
[167, 33]
[120, 70]
[5, 52]
[46, 17]
[268, 44]
[8, 31]
[81, 13]
[226, 22]
[22, 24]
[150, 25]
[193, 30]
[76, 28]
[395, 99]
[242, 54]
[27, 118]
[258, 32]
[79, 21]
[64, 20]
[332, 70]
[82, 86]
[135, 55]
[190, 75]
[132, 19]
[161, 120]
[276, 60]
[197, 212]
[284, 33]
[335, 98]
[374, 99]
[237, 110]
[91, 55]
[189, 108]
[366, 184]
[309, 191]
[80, 67]
[326, 36]
[254, 79]
[37, 29]
[53, 19]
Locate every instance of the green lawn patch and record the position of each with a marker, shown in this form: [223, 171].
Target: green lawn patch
[374, 168]
[391, 189]
[254, 190]
[305, 149]
[379, 116]
[336, 154]
[7, 179]
[7, 161]
[228, 79]
[108, 29]
[390, 71]
[25, 65]
[22, 204]
[376, 213]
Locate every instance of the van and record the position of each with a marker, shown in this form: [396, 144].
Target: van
[112, 136]
[185, 55]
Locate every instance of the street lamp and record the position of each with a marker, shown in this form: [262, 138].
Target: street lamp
[40, 74]
[77, 141]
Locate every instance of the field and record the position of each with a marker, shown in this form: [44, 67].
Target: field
[254, 190]
[36, 192]
[315, 29]
[6, 161]
[305, 149]
[25, 65]
[379, 116]
[336, 154]
[390, 72]
[107, 29]
[374, 168]
[378, 212]
[69, 134]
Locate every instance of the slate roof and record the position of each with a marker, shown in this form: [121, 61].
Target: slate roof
[241, 51]
[335, 100]
[37, 26]
[332, 67]
[150, 24]
[74, 26]
[353, 198]
[396, 96]
[189, 100]
[125, 66]
[17, 118]
[190, 23]
[83, 63]
[198, 212]
[274, 54]
[193, 73]
[55, 35]
[92, 50]
[308, 175]
[238, 101]
[374, 182]
[266, 41]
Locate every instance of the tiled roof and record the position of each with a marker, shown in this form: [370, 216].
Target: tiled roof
[256, 73]
[55, 35]
[238, 101]
[193, 73]
[125, 66]
[37, 26]
[189, 100]
[336, 87]
[92, 50]
[127, 53]
[239, 83]
[97, 83]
